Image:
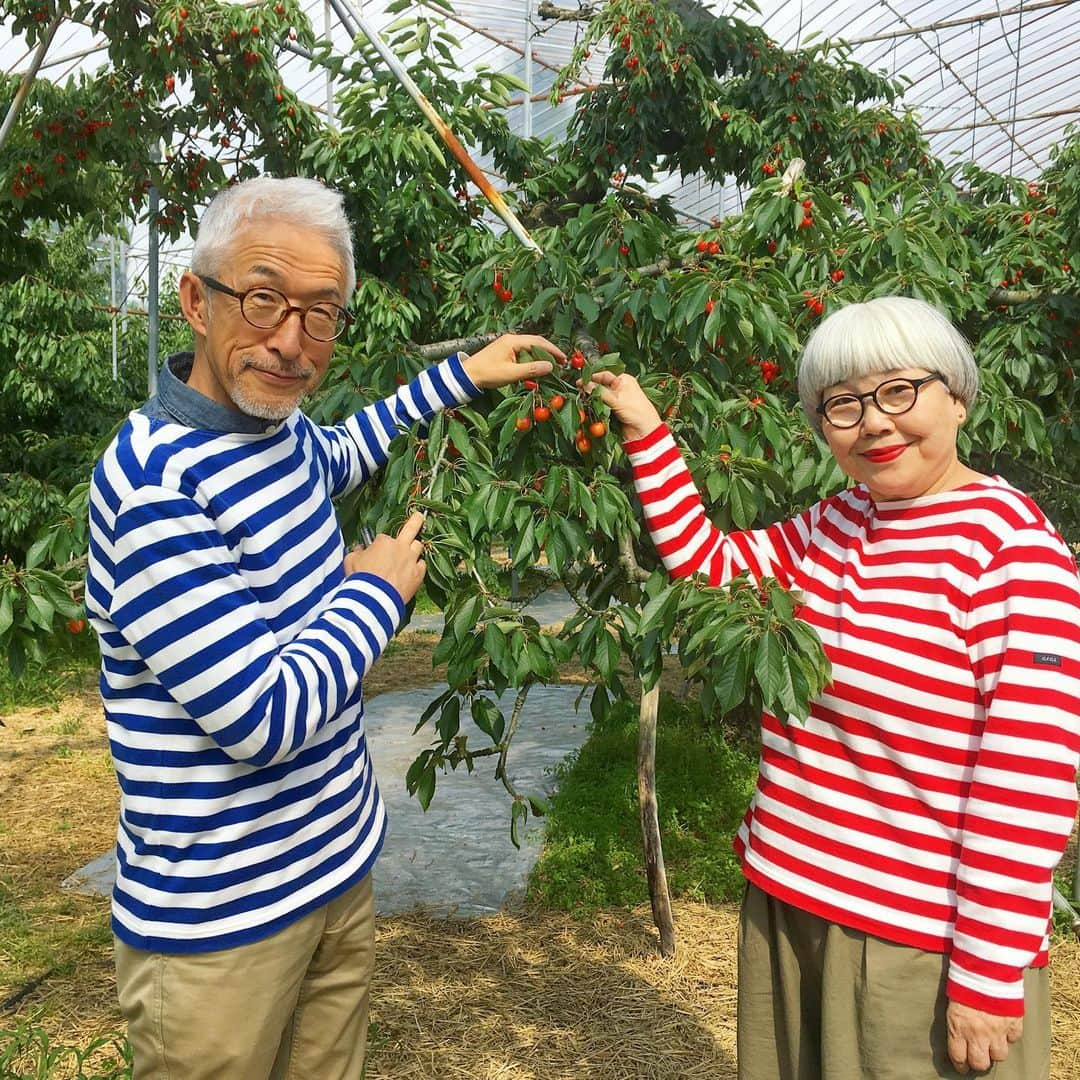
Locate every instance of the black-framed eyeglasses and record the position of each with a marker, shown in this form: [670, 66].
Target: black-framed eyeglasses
[266, 308]
[893, 396]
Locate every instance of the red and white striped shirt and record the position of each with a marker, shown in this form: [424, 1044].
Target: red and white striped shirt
[932, 791]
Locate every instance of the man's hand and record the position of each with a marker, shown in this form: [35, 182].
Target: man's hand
[977, 1039]
[497, 365]
[622, 394]
[396, 559]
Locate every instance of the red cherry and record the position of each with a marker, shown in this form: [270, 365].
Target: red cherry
[624, 249]
[808, 204]
[709, 305]
[577, 361]
[806, 222]
[837, 275]
[530, 384]
[76, 626]
[541, 414]
[703, 245]
[170, 82]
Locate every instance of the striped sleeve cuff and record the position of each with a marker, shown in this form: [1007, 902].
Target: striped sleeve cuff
[986, 992]
[647, 442]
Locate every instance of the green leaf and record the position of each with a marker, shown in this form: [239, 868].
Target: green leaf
[518, 815]
[767, 668]
[37, 551]
[729, 682]
[588, 307]
[7, 614]
[39, 611]
[449, 723]
[425, 789]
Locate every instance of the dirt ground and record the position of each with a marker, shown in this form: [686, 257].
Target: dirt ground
[523, 995]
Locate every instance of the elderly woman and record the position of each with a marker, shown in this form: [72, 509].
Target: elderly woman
[900, 845]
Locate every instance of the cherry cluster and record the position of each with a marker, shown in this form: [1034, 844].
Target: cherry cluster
[542, 407]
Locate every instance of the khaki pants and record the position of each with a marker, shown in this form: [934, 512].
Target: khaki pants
[294, 1005]
[818, 1001]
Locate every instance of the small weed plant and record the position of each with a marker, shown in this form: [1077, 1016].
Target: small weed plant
[28, 1052]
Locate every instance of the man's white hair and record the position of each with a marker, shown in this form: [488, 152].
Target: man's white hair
[298, 200]
[882, 335]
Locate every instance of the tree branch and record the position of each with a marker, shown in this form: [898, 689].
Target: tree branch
[628, 561]
[508, 738]
[547, 10]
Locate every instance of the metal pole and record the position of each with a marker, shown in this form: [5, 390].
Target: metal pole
[152, 284]
[527, 126]
[123, 283]
[28, 80]
[1061, 904]
[349, 16]
[329, 74]
[112, 302]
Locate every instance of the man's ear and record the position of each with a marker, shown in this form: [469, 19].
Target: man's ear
[193, 302]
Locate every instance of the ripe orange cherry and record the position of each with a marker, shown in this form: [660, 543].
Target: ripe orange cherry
[523, 423]
[598, 429]
[583, 444]
[76, 626]
[557, 402]
[541, 414]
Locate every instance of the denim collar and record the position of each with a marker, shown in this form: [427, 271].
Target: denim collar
[179, 403]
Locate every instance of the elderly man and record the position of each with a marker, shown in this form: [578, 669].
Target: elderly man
[235, 632]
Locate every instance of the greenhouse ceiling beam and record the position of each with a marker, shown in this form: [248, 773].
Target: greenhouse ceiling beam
[351, 18]
[1009, 135]
[483, 32]
[994, 123]
[28, 79]
[964, 20]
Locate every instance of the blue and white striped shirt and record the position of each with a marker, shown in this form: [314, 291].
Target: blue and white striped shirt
[233, 648]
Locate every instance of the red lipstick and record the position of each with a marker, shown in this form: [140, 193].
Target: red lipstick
[884, 453]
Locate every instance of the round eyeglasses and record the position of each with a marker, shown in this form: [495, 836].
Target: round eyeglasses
[266, 308]
[893, 396]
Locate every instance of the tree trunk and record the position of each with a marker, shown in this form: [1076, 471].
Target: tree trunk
[650, 822]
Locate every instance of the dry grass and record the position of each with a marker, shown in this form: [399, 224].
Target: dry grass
[523, 995]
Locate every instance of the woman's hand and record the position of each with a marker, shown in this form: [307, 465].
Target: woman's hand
[977, 1038]
[623, 395]
[497, 364]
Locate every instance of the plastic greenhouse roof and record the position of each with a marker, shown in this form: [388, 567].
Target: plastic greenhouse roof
[995, 81]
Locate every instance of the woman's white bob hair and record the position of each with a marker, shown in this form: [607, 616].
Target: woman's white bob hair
[879, 336]
[297, 200]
